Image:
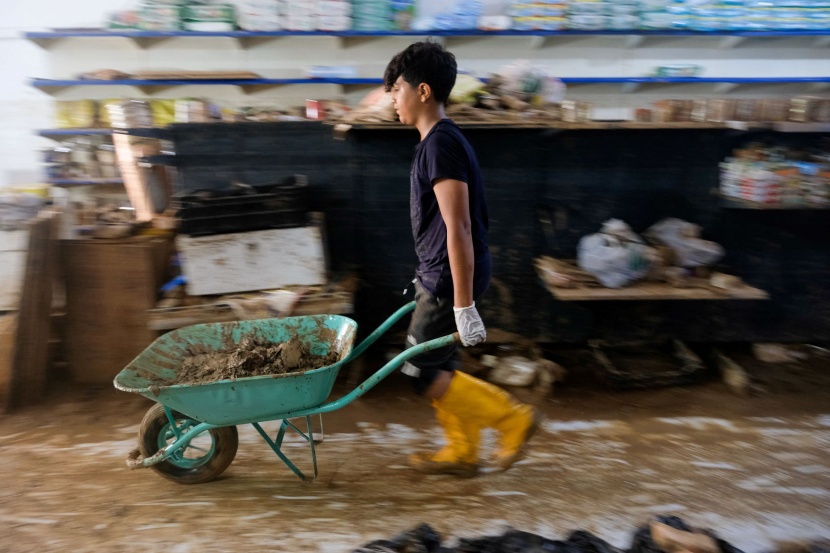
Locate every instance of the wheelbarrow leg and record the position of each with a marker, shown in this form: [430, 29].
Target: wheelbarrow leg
[276, 445]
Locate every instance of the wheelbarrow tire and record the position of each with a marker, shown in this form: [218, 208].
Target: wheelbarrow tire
[211, 461]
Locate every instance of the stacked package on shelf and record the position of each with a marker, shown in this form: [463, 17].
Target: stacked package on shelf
[316, 15]
[371, 15]
[334, 15]
[402, 12]
[665, 14]
[160, 15]
[771, 176]
[592, 15]
[259, 15]
[300, 15]
[735, 15]
[750, 182]
[209, 17]
[788, 15]
[464, 15]
[538, 16]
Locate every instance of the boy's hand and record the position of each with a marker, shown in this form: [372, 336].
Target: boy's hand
[470, 327]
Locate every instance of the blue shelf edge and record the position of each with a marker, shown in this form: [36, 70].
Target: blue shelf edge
[41, 35]
[74, 132]
[82, 182]
[45, 83]
[142, 132]
[180, 82]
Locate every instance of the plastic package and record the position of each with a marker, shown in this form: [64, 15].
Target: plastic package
[531, 83]
[588, 8]
[684, 239]
[678, 70]
[587, 22]
[616, 256]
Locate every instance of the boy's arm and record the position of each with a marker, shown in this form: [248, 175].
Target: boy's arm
[454, 203]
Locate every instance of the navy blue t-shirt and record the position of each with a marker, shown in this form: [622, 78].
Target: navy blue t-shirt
[445, 154]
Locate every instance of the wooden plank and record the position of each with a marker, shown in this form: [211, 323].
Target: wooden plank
[13, 247]
[561, 125]
[314, 303]
[183, 75]
[567, 282]
[139, 181]
[110, 285]
[8, 333]
[654, 291]
[30, 359]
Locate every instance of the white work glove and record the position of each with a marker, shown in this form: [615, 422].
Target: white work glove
[469, 324]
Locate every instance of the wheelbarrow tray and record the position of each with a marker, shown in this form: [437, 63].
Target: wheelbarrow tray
[241, 400]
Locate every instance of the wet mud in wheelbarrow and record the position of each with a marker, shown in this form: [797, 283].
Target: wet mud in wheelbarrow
[252, 356]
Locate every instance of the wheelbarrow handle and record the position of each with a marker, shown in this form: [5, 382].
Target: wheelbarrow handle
[381, 330]
[385, 371]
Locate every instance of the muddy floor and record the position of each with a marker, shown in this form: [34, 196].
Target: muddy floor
[755, 470]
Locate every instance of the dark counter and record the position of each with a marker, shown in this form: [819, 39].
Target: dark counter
[546, 189]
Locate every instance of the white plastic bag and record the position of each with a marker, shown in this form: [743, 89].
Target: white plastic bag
[532, 83]
[684, 239]
[616, 256]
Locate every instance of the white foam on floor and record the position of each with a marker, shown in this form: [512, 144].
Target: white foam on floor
[715, 465]
[579, 426]
[700, 423]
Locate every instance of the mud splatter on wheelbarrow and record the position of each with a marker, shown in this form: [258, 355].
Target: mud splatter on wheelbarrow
[252, 356]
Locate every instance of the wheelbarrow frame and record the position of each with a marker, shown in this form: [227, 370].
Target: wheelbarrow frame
[182, 439]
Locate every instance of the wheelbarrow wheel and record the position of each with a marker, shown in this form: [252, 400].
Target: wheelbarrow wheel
[201, 460]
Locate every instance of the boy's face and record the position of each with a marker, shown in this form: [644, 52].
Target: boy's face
[406, 100]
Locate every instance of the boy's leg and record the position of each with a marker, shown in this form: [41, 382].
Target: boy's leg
[473, 402]
[486, 405]
[433, 318]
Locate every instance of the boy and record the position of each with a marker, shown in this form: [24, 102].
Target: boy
[449, 224]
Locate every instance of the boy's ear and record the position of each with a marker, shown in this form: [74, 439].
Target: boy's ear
[424, 92]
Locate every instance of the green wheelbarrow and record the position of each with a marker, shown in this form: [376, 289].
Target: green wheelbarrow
[189, 435]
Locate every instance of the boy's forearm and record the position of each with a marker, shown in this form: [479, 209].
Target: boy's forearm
[460, 250]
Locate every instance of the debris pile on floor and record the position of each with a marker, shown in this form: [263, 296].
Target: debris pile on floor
[663, 534]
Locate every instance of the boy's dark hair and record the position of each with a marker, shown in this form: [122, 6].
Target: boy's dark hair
[424, 62]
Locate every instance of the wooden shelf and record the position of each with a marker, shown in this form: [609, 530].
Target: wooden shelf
[312, 303]
[584, 287]
[736, 203]
[655, 291]
[558, 125]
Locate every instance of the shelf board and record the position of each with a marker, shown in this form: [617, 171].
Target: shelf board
[99, 33]
[73, 132]
[633, 38]
[791, 126]
[656, 291]
[598, 125]
[584, 287]
[82, 182]
[48, 85]
[782, 126]
[737, 203]
[629, 83]
[144, 132]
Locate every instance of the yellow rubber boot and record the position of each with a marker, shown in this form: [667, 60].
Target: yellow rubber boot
[485, 405]
[459, 456]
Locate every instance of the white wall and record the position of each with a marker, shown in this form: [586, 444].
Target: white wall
[24, 109]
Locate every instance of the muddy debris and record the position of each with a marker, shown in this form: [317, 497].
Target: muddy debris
[252, 356]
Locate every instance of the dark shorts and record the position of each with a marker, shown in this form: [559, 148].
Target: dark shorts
[432, 318]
